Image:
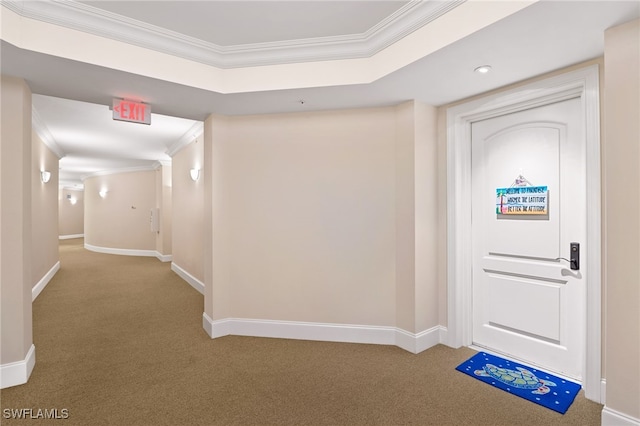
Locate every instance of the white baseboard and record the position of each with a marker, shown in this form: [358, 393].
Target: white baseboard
[37, 289]
[207, 324]
[416, 343]
[327, 332]
[17, 373]
[443, 334]
[129, 252]
[193, 281]
[615, 418]
[68, 237]
[164, 257]
[122, 252]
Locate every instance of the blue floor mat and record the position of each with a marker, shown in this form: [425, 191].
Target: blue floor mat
[526, 382]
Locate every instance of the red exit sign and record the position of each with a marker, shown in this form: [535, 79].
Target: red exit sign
[135, 112]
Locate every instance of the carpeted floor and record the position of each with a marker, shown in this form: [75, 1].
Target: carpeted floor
[119, 341]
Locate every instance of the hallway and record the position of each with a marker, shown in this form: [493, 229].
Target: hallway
[95, 325]
[119, 342]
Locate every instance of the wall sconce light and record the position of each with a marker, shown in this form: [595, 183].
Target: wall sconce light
[103, 193]
[195, 174]
[45, 176]
[73, 200]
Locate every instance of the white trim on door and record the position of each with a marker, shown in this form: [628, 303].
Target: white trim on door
[583, 83]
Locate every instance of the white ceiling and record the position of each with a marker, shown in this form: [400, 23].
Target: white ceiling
[231, 23]
[92, 141]
[545, 36]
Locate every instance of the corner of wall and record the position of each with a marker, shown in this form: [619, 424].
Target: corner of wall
[18, 373]
[611, 417]
[40, 285]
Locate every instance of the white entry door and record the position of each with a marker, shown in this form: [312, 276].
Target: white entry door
[527, 303]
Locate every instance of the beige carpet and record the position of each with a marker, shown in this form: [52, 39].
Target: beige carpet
[119, 341]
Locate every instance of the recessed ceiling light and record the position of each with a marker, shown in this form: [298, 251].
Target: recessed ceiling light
[483, 69]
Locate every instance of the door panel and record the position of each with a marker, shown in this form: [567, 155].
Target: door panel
[503, 293]
[527, 303]
[508, 155]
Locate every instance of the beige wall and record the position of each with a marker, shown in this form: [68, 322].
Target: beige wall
[416, 217]
[44, 210]
[121, 219]
[307, 202]
[621, 154]
[163, 202]
[71, 216]
[188, 209]
[311, 216]
[217, 271]
[15, 220]
[303, 216]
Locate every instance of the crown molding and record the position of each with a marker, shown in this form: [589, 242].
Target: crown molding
[189, 136]
[45, 135]
[83, 17]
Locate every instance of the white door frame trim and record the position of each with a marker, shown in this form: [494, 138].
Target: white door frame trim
[582, 83]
